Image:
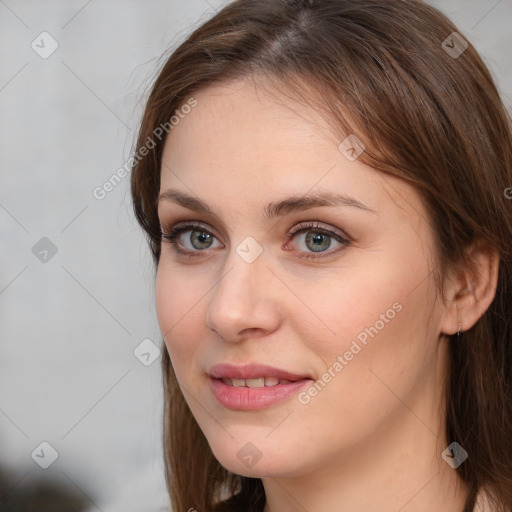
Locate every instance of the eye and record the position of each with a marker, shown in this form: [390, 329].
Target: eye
[198, 240]
[317, 239]
[314, 245]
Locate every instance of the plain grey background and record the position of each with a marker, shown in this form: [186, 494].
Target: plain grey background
[70, 321]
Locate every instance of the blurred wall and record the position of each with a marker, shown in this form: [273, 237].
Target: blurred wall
[80, 385]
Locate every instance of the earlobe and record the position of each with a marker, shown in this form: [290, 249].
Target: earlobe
[471, 291]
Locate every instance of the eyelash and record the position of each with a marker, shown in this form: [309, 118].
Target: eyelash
[173, 233]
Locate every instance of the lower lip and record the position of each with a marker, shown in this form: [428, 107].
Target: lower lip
[247, 399]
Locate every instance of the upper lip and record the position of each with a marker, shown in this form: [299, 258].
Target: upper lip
[252, 371]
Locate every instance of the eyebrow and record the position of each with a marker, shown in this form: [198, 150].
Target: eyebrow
[273, 209]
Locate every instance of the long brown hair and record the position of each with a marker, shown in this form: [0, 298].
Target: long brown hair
[428, 112]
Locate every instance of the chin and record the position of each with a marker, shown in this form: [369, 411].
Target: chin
[245, 458]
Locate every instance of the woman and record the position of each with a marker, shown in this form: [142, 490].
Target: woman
[328, 211]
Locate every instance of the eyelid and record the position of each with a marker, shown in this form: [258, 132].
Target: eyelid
[188, 224]
[291, 232]
[312, 225]
[175, 230]
[315, 226]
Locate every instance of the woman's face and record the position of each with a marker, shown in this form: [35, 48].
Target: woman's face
[362, 318]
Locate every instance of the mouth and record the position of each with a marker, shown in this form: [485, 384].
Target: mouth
[259, 382]
[252, 374]
[253, 386]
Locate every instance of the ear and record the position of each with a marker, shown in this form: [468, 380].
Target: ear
[470, 289]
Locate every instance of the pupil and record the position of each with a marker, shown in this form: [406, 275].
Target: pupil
[320, 241]
[201, 238]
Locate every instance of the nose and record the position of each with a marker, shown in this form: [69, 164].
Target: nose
[242, 303]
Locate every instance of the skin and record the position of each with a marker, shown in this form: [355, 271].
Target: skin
[372, 438]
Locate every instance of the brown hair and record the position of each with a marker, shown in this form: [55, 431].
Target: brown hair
[426, 115]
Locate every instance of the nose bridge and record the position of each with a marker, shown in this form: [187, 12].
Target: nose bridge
[240, 300]
[244, 267]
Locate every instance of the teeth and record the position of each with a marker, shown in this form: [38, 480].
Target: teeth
[271, 381]
[255, 383]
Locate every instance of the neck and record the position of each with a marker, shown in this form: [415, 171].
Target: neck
[401, 469]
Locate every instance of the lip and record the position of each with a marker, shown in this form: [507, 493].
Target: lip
[252, 371]
[247, 399]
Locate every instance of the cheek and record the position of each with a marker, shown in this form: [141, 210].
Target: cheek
[180, 312]
[168, 305]
[180, 296]
[380, 313]
[366, 298]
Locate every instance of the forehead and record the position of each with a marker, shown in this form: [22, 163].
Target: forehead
[240, 130]
[242, 146]
[237, 118]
